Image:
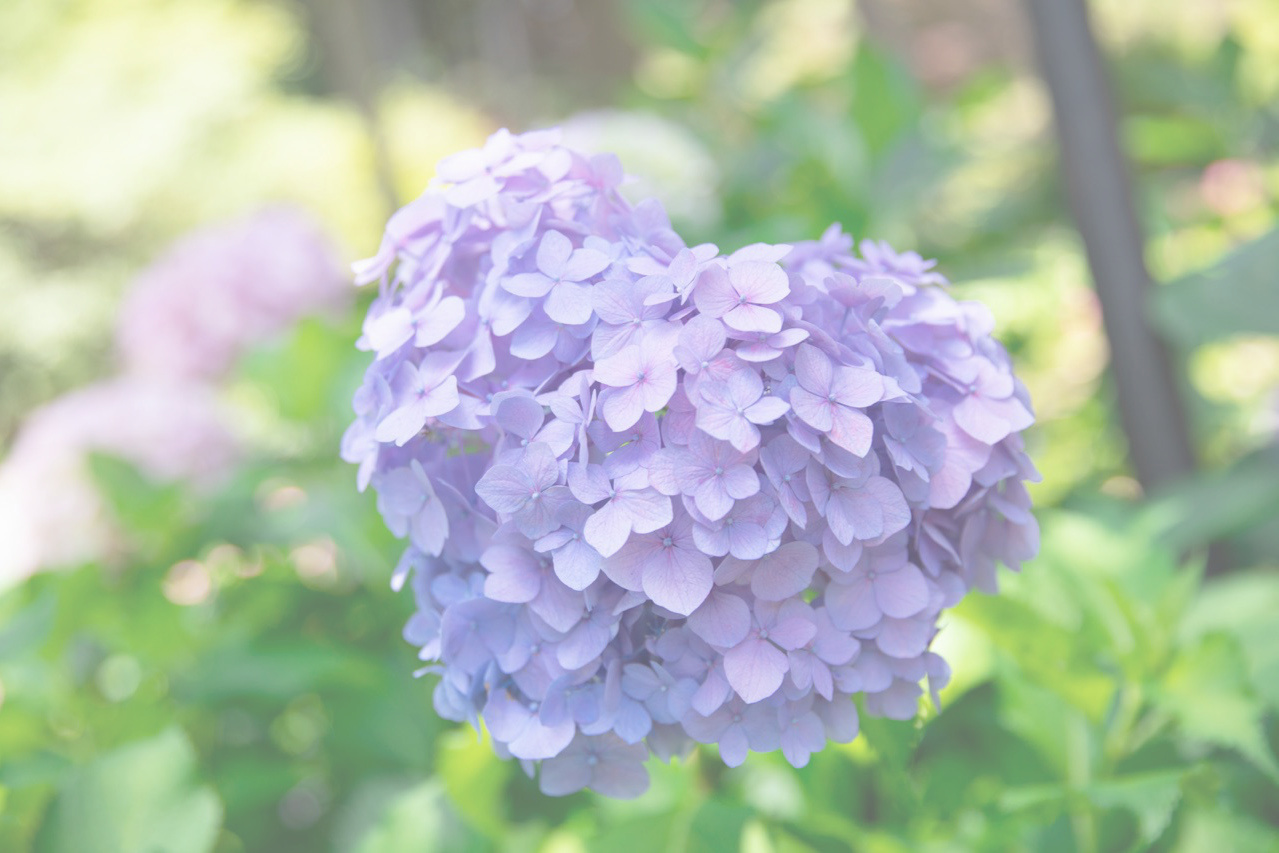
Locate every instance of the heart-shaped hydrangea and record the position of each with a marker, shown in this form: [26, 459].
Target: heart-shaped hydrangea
[656, 495]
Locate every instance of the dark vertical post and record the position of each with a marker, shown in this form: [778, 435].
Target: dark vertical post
[1099, 194]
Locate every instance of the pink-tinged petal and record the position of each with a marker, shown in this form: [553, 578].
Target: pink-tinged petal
[389, 331]
[400, 425]
[612, 302]
[755, 669]
[577, 564]
[703, 337]
[767, 410]
[533, 340]
[793, 633]
[743, 435]
[542, 742]
[747, 541]
[678, 580]
[716, 421]
[850, 429]
[852, 606]
[621, 369]
[514, 587]
[441, 319]
[658, 387]
[553, 253]
[902, 593]
[461, 166]
[753, 318]
[815, 411]
[710, 540]
[472, 192]
[740, 481]
[508, 312]
[857, 386]
[518, 414]
[756, 352]
[712, 500]
[744, 387]
[588, 483]
[787, 338]
[504, 488]
[979, 420]
[784, 573]
[568, 302]
[714, 296]
[530, 284]
[668, 469]
[722, 620]
[814, 371]
[964, 455]
[622, 407]
[608, 529]
[760, 282]
[585, 642]
[626, 567]
[892, 503]
[430, 528]
[904, 638]
[647, 509]
[793, 507]
[441, 399]
[540, 464]
[583, 264]
[559, 606]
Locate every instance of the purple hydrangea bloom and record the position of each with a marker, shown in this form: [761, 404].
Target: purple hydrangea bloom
[714, 497]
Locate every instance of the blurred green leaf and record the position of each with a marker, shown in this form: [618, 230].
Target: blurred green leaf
[143, 797]
[419, 820]
[1235, 296]
[151, 512]
[1208, 693]
[28, 627]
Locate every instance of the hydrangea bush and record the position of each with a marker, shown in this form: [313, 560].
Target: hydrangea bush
[656, 495]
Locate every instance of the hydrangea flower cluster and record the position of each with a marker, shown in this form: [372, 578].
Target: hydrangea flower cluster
[658, 496]
[225, 288]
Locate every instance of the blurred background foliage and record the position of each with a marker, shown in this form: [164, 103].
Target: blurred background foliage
[228, 673]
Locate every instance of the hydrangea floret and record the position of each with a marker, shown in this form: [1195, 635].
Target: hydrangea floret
[655, 495]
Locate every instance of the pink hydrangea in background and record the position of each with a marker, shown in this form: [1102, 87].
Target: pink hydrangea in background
[656, 495]
[222, 289]
[50, 512]
[213, 295]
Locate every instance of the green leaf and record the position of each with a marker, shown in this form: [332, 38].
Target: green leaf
[419, 820]
[151, 512]
[142, 797]
[26, 629]
[1235, 296]
[1207, 691]
[1150, 797]
[475, 780]
[1214, 506]
[717, 826]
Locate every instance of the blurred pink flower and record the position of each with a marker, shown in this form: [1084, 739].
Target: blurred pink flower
[221, 289]
[50, 511]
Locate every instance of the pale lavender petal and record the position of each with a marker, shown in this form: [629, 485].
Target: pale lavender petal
[901, 593]
[608, 529]
[722, 620]
[784, 573]
[679, 581]
[755, 669]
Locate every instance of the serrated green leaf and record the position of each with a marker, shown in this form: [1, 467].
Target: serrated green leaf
[144, 796]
